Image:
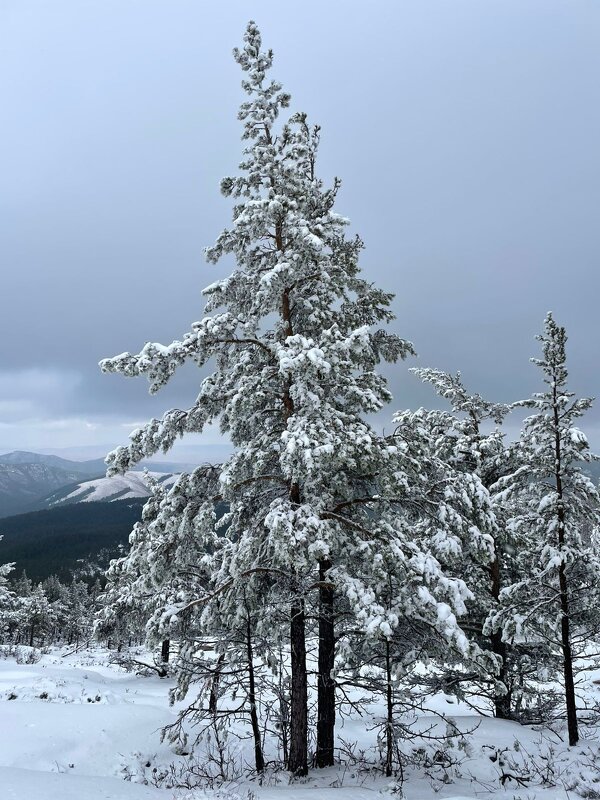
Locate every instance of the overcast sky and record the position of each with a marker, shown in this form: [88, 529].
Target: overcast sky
[466, 134]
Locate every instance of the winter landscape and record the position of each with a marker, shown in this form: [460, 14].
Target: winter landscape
[316, 565]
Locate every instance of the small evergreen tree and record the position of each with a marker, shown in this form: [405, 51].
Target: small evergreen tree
[555, 514]
[37, 617]
[23, 585]
[79, 612]
[125, 605]
[469, 444]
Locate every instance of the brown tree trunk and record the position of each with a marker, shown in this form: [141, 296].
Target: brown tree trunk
[326, 684]
[165, 651]
[565, 633]
[298, 761]
[214, 685]
[389, 728]
[502, 702]
[298, 757]
[568, 661]
[259, 761]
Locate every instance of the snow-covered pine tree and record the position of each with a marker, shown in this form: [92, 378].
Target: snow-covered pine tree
[556, 517]
[80, 609]
[430, 519]
[447, 513]
[405, 616]
[132, 592]
[37, 616]
[468, 442]
[23, 585]
[295, 353]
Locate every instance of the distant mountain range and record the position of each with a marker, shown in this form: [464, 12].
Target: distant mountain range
[592, 470]
[35, 481]
[93, 467]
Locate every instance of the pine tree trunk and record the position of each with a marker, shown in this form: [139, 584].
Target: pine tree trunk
[326, 684]
[389, 728]
[214, 685]
[502, 702]
[565, 633]
[259, 761]
[568, 661]
[298, 761]
[165, 651]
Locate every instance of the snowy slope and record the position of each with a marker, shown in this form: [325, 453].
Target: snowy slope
[37, 481]
[119, 487]
[73, 727]
[22, 484]
[72, 745]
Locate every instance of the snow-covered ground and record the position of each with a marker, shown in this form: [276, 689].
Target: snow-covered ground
[74, 727]
[69, 726]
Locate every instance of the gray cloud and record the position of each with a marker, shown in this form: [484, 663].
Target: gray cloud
[465, 133]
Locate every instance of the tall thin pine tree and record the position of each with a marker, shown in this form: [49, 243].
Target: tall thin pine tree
[555, 513]
[295, 353]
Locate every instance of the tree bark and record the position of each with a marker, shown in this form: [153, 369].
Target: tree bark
[389, 728]
[165, 650]
[298, 757]
[568, 661]
[565, 633]
[326, 683]
[259, 761]
[298, 761]
[502, 702]
[214, 685]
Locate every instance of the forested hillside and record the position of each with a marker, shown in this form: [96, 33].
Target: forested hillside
[74, 540]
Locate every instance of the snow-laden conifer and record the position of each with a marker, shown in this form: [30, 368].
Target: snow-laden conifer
[37, 615]
[134, 598]
[471, 442]
[555, 514]
[420, 572]
[292, 338]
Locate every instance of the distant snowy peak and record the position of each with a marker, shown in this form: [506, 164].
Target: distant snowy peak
[119, 487]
